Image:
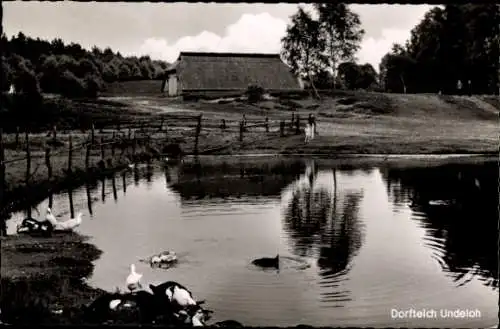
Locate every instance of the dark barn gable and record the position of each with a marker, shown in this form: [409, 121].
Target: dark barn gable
[205, 72]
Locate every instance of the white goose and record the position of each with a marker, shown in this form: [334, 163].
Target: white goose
[134, 279]
[66, 225]
[181, 296]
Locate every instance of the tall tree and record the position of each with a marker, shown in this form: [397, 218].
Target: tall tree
[342, 32]
[302, 45]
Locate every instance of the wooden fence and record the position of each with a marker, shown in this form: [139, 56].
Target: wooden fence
[125, 137]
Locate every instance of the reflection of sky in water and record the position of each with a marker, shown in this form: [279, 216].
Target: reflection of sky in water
[368, 251]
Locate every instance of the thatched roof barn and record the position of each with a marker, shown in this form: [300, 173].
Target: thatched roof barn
[196, 72]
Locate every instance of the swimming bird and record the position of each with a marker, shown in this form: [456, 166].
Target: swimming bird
[168, 257]
[267, 262]
[134, 279]
[228, 323]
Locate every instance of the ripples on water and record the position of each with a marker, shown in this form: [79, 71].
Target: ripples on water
[354, 242]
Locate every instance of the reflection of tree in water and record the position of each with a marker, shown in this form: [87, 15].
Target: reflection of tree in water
[464, 234]
[314, 218]
[325, 221]
[342, 239]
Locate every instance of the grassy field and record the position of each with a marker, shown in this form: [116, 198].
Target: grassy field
[36, 270]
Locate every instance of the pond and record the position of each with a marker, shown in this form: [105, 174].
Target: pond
[373, 237]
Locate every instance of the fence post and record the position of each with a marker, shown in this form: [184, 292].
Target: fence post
[2, 169]
[223, 124]
[282, 128]
[47, 163]
[92, 137]
[129, 133]
[28, 165]
[17, 137]
[134, 145]
[267, 124]
[161, 124]
[297, 125]
[117, 127]
[87, 156]
[70, 155]
[293, 120]
[242, 127]
[102, 148]
[113, 145]
[197, 136]
[54, 134]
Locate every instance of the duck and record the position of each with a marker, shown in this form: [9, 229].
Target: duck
[228, 323]
[267, 262]
[134, 279]
[168, 257]
[32, 225]
[178, 295]
[66, 225]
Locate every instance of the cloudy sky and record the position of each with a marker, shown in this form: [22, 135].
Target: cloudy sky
[161, 30]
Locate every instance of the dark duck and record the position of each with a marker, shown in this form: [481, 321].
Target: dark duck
[267, 262]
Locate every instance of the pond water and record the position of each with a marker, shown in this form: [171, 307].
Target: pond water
[369, 248]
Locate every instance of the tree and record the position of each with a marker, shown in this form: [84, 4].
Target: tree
[342, 32]
[6, 78]
[302, 46]
[368, 76]
[349, 73]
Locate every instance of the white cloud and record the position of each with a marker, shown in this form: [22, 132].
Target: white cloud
[251, 33]
[372, 50]
[260, 33]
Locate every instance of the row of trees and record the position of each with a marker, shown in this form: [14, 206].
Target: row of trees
[450, 44]
[34, 66]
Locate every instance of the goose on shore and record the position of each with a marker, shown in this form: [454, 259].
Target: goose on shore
[134, 279]
[177, 295]
[66, 225]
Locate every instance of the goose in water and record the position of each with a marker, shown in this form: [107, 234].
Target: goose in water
[66, 225]
[267, 262]
[134, 279]
[167, 257]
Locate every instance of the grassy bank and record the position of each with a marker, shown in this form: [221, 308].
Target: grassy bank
[349, 122]
[43, 278]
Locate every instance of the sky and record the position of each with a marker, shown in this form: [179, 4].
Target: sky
[162, 30]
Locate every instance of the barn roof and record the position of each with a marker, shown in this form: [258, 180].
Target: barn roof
[232, 71]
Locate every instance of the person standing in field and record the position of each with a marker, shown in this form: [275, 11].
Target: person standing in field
[459, 87]
[312, 123]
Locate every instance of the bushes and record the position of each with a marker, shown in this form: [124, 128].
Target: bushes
[68, 69]
[254, 93]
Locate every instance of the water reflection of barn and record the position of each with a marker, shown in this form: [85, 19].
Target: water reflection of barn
[468, 227]
[232, 180]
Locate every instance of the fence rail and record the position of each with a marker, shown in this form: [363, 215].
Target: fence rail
[128, 135]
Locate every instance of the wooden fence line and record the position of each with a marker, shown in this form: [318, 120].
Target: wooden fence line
[146, 128]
